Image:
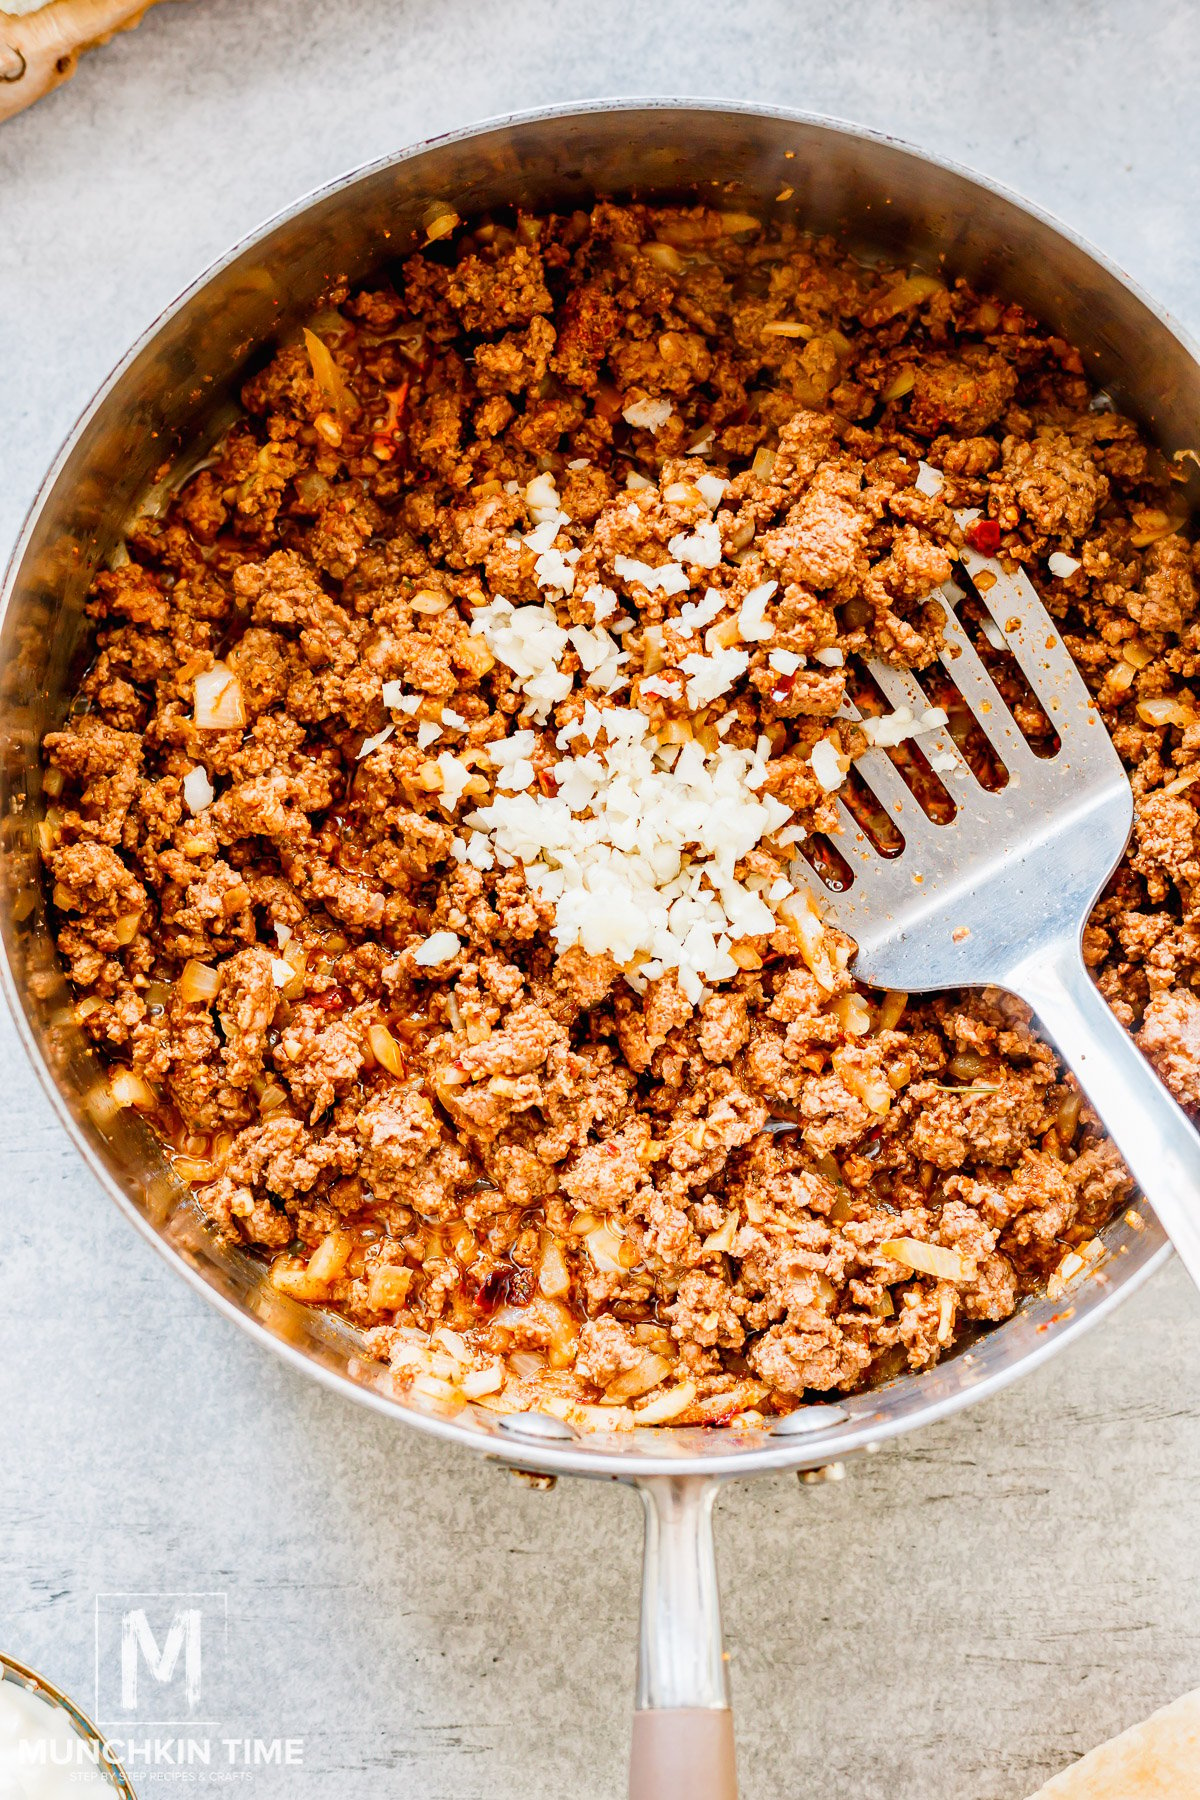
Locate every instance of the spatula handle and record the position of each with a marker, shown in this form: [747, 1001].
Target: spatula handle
[1153, 1134]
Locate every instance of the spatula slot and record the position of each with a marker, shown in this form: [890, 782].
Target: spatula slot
[907, 758]
[870, 812]
[972, 743]
[827, 862]
[986, 632]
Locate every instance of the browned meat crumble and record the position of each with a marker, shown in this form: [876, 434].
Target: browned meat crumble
[529, 1182]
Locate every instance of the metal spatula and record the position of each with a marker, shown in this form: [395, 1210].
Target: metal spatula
[999, 895]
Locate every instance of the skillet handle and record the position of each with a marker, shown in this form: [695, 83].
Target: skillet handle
[683, 1728]
[1153, 1134]
[685, 1753]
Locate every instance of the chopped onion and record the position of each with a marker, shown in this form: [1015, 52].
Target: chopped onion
[437, 948]
[387, 1287]
[482, 1381]
[198, 981]
[452, 1343]
[430, 601]
[219, 703]
[128, 1089]
[828, 764]
[1165, 711]
[745, 956]
[432, 1389]
[554, 1277]
[330, 1256]
[737, 224]
[294, 959]
[526, 1363]
[799, 912]
[440, 221]
[927, 1259]
[195, 1169]
[604, 1248]
[646, 1374]
[667, 1406]
[385, 1049]
[327, 375]
[870, 1086]
[911, 291]
[720, 1241]
[853, 1014]
[197, 789]
[665, 256]
[891, 1010]
[1150, 523]
[901, 383]
[372, 743]
[294, 1281]
[510, 1318]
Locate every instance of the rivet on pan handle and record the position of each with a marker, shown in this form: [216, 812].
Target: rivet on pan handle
[683, 1728]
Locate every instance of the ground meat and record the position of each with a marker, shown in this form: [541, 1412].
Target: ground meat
[246, 1010]
[950, 1129]
[1167, 843]
[1051, 482]
[810, 1352]
[725, 1026]
[284, 1157]
[703, 1312]
[606, 1350]
[320, 1057]
[966, 395]
[383, 1066]
[606, 1176]
[1170, 1036]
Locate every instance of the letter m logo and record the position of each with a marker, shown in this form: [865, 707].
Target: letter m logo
[161, 1658]
[139, 1647]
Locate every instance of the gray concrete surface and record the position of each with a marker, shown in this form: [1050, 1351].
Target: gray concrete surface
[964, 1613]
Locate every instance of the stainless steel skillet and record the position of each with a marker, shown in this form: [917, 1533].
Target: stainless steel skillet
[878, 195]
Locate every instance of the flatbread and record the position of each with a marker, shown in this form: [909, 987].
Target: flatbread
[41, 42]
[1156, 1760]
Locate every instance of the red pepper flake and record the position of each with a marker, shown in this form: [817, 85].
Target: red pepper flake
[984, 536]
[505, 1286]
[383, 441]
[333, 1000]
